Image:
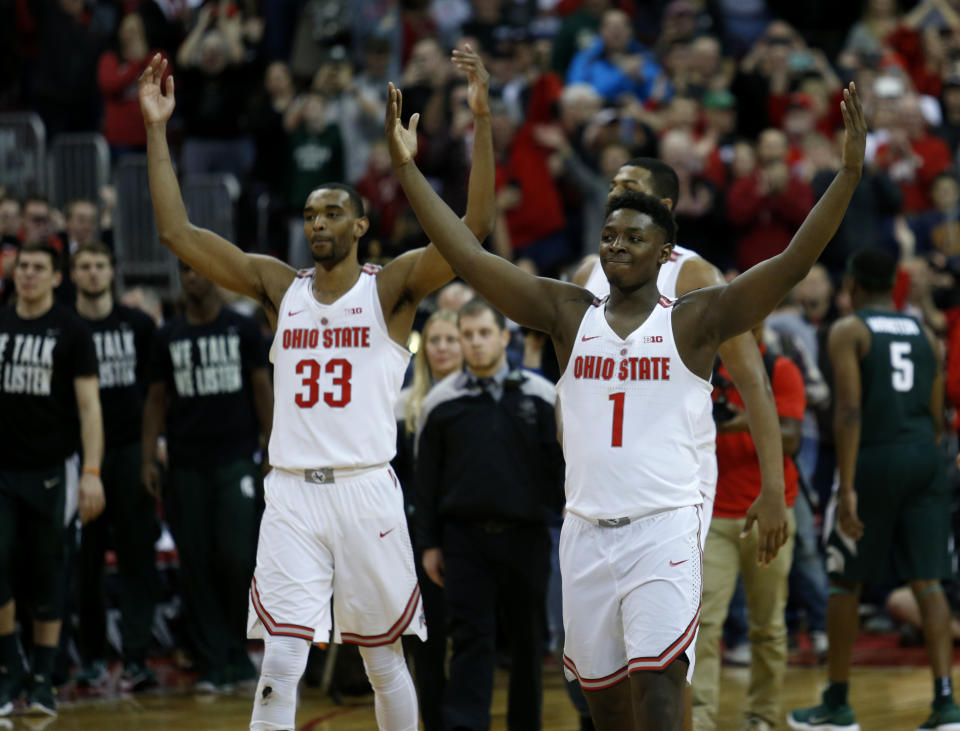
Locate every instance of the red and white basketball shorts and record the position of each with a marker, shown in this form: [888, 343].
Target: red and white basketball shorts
[631, 595]
[346, 541]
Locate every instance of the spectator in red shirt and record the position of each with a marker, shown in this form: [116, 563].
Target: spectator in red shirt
[769, 205]
[913, 157]
[526, 190]
[117, 74]
[727, 554]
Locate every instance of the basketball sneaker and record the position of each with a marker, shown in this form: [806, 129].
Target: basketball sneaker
[42, 698]
[943, 719]
[92, 675]
[824, 718]
[136, 677]
[11, 686]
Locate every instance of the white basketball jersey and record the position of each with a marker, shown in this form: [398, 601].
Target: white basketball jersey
[336, 377]
[631, 416]
[666, 280]
[667, 285]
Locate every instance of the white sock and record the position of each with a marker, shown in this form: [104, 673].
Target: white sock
[275, 704]
[395, 700]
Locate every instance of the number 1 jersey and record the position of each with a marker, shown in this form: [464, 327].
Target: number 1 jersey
[631, 419]
[337, 375]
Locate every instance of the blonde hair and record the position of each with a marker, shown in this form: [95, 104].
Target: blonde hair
[422, 378]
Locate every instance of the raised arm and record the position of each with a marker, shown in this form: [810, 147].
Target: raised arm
[263, 278]
[531, 301]
[744, 363]
[751, 296]
[424, 270]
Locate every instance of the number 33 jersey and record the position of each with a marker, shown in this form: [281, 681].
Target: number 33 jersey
[631, 411]
[337, 374]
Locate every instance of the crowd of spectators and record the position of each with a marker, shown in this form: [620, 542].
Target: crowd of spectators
[740, 97]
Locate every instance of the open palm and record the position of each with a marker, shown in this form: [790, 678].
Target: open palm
[155, 105]
[402, 141]
[478, 79]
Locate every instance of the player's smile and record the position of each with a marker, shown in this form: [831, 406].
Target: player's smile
[630, 246]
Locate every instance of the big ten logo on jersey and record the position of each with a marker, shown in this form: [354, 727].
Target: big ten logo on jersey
[117, 355]
[652, 339]
[633, 368]
[26, 362]
[220, 369]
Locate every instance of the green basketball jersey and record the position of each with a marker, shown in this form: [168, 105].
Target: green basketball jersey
[897, 377]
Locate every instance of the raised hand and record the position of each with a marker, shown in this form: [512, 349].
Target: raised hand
[156, 104]
[855, 132]
[478, 79]
[401, 142]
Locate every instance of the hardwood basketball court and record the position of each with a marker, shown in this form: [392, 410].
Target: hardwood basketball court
[884, 698]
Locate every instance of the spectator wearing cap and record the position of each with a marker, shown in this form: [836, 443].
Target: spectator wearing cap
[616, 64]
[912, 156]
[768, 206]
[720, 124]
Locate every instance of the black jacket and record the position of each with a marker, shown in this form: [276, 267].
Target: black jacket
[484, 459]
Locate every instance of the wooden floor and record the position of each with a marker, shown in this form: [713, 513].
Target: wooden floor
[884, 699]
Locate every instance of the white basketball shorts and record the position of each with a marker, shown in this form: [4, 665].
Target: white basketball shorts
[344, 541]
[631, 595]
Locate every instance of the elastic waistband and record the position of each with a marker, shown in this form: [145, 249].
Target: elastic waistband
[331, 475]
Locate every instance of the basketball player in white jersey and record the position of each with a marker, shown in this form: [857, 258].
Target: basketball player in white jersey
[684, 272]
[334, 530]
[634, 387]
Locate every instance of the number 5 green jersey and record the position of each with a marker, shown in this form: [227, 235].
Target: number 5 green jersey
[897, 376]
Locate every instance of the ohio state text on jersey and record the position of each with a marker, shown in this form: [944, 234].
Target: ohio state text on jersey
[631, 415]
[337, 374]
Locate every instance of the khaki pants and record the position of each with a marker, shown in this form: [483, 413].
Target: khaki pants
[724, 558]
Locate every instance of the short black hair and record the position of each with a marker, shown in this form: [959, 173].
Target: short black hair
[352, 193]
[874, 270]
[43, 247]
[666, 184]
[649, 204]
[477, 306]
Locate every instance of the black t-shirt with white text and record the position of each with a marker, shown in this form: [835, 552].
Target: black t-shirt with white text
[39, 360]
[122, 340]
[211, 417]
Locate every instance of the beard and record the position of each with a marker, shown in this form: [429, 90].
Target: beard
[94, 293]
[336, 254]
